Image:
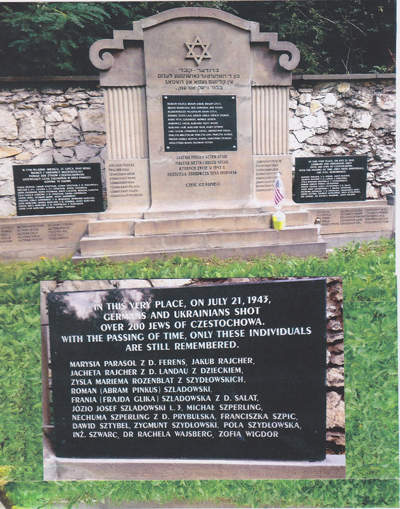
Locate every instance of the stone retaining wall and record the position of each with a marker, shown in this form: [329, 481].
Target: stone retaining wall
[48, 125]
[64, 124]
[342, 118]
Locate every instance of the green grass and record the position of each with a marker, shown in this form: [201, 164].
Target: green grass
[370, 368]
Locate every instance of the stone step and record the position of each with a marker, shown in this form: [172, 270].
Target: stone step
[100, 246]
[245, 252]
[121, 227]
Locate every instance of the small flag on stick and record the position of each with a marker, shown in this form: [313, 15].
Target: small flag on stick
[279, 191]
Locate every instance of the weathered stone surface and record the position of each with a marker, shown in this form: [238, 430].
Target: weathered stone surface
[315, 106]
[338, 360]
[331, 312]
[302, 110]
[293, 143]
[362, 120]
[315, 140]
[6, 169]
[322, 149]
[305, 98]
[69, 114]
[8, 125]
[92, 120]
[386, 102]
[295, 123]
[32, 127]
[336, 436]
[310, 121]
[7, 188]
[85, 153]
[335, 411]
[372, 192]
[9, 151]
[386, 190]
[386, 175]
[53, 116]
[339, 122]
[95, 139]
[303, 134]
[385, 153]
[343, 87]
[66, 132]
[334, 325]
[45, 157]
[330, 100]
[332, 138]
[363, 99]
[339, 151]
[24, 156]
[7, 206]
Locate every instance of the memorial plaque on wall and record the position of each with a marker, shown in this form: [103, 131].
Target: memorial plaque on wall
[199, 123]
[58, 189]
[330, 179]
[231, 371]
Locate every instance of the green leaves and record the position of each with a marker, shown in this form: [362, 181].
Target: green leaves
[333, 37]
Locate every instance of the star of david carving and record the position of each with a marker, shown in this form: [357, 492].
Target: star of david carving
[204, 50]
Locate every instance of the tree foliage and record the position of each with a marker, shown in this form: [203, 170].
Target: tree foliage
[39, 39]
[351, 36]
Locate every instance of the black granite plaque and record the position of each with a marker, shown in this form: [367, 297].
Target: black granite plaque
[330, 179]
[199, 123]
[58, 188]
[216, 371]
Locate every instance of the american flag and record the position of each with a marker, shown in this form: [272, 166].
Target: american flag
[279, 192]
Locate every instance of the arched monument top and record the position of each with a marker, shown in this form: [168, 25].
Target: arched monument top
[104, 60]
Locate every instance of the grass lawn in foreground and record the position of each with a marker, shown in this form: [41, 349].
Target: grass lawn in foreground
[370, 388]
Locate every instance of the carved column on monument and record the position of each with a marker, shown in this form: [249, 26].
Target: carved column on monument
[123, 82]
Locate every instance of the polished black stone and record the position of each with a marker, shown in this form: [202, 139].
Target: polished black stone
[330, 179]
[42, 189]
[199, 123]
[234, 371]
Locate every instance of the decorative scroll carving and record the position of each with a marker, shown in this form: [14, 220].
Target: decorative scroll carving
[288, 60]
[105, 60]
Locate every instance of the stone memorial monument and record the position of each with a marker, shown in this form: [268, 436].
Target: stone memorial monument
[197, 124]
[196, 105]
[195, 376]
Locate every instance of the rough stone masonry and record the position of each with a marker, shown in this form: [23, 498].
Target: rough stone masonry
[45, 125]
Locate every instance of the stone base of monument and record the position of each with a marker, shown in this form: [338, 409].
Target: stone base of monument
[122, 236]
[223, 235]
[58, 469]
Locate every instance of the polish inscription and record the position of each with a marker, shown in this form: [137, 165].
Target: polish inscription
[123, 180]
[330, 179]
[229, 371]
[58, 189]
[344, 219]
[199, 123]
[36, 233]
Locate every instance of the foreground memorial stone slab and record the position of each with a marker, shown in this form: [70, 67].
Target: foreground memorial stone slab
[208, 372]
